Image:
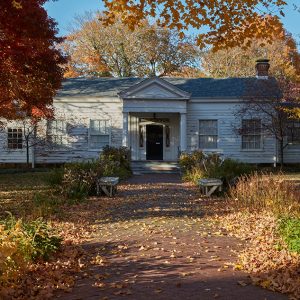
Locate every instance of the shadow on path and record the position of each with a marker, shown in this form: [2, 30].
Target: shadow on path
[156, 244]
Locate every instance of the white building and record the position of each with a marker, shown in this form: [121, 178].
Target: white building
[156, 118]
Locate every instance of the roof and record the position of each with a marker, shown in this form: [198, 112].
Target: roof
[198, 87]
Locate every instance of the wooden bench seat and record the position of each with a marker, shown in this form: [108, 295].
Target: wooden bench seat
[108, 185]
[209, 185]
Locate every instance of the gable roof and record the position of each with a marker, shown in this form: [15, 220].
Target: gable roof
[165, 90]
[197, 87]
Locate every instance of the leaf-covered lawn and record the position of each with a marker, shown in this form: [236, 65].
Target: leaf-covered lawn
[16, 189]
[157, 240]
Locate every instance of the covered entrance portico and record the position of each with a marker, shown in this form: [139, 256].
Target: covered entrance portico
[154, 120]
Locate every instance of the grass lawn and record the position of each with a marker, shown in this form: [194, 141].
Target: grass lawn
[17, 189]
[27, 182]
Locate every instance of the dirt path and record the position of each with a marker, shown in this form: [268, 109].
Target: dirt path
[157, 244]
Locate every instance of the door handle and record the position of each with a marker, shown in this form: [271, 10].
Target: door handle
[157, 143]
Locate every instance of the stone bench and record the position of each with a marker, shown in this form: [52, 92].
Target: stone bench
[210, 185]
[108, 185]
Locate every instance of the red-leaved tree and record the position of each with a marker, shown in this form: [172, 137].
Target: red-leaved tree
[30, 72]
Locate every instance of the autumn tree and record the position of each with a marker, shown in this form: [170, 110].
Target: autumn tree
[224, 23]
[115, 50]
[29, 62]
[239, 61]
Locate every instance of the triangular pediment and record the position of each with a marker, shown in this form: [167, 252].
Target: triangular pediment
[154, 88]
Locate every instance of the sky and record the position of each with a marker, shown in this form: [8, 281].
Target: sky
[64, 11]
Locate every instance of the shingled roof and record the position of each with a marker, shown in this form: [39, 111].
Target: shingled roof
[198, 87]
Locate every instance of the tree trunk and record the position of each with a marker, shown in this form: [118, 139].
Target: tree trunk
[27, 152]
[281, 153]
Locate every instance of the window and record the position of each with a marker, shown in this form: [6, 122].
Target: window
[251, 134]
[167, 136]
[208, 134]
[99, 134]
[14, 138]
[141, 136]
[293, 132]
[57, 132]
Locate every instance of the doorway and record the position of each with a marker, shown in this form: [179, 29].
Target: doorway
[154, 142]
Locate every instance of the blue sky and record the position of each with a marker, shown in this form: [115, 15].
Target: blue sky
[64, 11]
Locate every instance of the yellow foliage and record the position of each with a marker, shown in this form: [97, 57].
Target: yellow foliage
[16, 4]
[228, 23]
[239, 61]
[12, 259]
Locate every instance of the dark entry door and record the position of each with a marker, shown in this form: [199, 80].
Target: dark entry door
[154, 145]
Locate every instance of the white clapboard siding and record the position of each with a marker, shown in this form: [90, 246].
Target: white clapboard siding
[78, 112]
[292, 154]
[229, 142]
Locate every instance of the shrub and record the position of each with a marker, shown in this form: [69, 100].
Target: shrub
[198, 165]
[22, 242]
[80, 179]
[229, 169]
[289, 229]
[265, 191]
[116, 162]
[188, 161]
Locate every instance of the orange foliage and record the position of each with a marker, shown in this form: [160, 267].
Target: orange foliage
[226, 23]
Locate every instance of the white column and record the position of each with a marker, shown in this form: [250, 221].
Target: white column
[125, 130]
[183, 132]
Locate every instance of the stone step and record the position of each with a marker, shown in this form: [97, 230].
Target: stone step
[152, 167]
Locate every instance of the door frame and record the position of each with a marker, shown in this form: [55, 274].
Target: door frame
[138, 134]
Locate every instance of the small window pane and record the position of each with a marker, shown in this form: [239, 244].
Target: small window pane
[99, 126]
[57, 132]
[99, 134]
[208, 134]
[14, 138]
[251, 134]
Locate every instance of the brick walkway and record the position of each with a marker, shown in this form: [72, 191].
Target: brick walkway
[155, 243]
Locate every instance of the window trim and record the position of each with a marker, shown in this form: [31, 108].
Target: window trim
[7, 143]
[99, 134]
[217, 135]
[292, 143]
[261, 148]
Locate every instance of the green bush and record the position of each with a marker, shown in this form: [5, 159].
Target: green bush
[34, 239]
[229, 169]
[289, 229]
[198, 165]
[116, 162]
